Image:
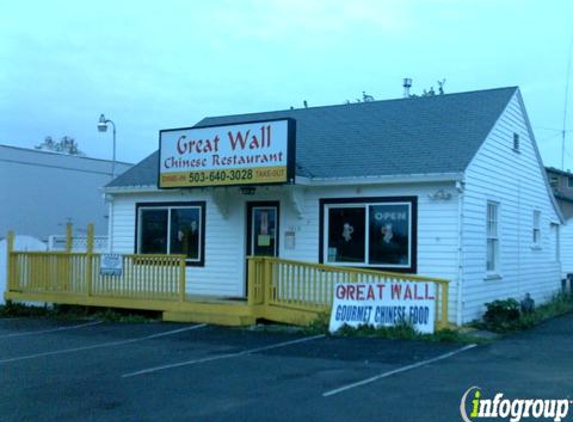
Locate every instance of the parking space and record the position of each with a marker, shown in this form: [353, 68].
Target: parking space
[90, 370]
[79, 368]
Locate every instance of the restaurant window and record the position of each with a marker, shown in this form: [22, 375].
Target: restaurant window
[172, 229]
[369, 233]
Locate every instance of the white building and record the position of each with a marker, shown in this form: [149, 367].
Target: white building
[43, 191]
[450, 186]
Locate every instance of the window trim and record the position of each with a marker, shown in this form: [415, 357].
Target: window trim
[495, 272]
[555, 228]
[326, 203]
[168, 206]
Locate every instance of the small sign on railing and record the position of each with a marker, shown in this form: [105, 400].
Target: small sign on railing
[111, 264]
[384, 304]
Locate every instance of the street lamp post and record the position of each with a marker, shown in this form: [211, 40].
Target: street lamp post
[102, 127]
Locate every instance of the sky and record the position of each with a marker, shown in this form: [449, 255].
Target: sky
[156, 65]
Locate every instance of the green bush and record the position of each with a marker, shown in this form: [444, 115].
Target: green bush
[502, 314]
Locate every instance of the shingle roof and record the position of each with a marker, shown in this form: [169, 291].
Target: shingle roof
[423, 135]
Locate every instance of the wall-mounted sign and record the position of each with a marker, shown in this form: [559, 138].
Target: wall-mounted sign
[111, 264]
[384, 305]
[242, 154]
[290, 239]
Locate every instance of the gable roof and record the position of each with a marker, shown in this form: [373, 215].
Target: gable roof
[408, 136]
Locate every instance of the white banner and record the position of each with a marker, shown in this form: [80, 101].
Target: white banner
[384, 304]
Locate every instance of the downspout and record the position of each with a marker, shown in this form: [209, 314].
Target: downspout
[459, 306]
[110, 223]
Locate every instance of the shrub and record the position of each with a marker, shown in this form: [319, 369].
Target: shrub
[502, 315]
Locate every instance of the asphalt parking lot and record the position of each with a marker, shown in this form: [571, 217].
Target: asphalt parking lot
[99, 371]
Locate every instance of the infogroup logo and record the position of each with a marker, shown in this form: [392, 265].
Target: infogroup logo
[474, 407]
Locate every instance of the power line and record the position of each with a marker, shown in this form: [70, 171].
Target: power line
[552, 129]
[565, 105]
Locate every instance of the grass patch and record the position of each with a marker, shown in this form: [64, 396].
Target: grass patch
[398, 332]
[74, 312]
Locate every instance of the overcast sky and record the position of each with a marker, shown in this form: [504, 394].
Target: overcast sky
[170, 63]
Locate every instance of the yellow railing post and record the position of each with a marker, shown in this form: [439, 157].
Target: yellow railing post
[89, 259]
[69, 230]
[66, 268]
[445, 302]
[267, 284]
[182, 270]
[251, 280]
[10, 260]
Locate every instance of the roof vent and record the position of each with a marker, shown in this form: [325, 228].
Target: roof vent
[407, 84]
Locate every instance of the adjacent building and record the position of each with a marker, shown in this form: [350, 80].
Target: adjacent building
[43, 191]
[562, 184]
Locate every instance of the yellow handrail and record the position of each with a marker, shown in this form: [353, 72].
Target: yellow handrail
[152, 277]
[310, 287]
[331, 268]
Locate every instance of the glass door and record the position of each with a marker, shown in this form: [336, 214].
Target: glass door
[262, 229]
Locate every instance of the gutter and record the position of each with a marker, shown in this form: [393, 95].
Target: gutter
[325, 181]
[129, 189]
[379, 180]
[460, 275]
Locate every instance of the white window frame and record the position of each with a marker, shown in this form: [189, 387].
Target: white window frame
[536, 229]
[168, 208]
[556, 230]
[492, 221]
[366, 206]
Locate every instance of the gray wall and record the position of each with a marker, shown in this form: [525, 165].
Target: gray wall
[41, 191]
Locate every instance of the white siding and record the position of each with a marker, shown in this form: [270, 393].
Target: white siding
[514, 180]
[225, 244]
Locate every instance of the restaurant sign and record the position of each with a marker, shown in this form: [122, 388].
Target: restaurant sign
[384, 304]
[241, 154]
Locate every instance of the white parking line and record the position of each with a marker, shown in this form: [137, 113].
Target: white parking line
[52, 330]
[102, 345]
[397, 371]
[220, 357]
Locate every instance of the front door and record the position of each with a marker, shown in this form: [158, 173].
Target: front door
[262, 230]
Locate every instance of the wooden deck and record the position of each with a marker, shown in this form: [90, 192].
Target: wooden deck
[278, 290]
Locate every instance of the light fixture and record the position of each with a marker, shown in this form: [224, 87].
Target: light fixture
[102, 124]
[102, 127]
[440, 194]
